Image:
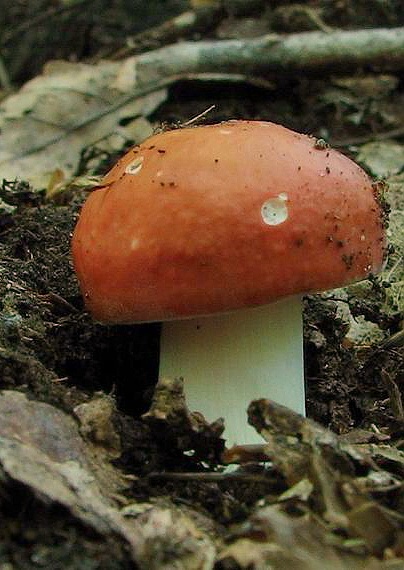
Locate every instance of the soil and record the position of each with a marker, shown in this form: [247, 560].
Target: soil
[53, 352]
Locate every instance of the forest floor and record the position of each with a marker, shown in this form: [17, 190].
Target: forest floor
[98, 470]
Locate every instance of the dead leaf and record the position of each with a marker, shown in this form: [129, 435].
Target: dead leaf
[302, 491]
[46, 125]
[375, 525]
[272, 539]
[382, 158]
[41, 448]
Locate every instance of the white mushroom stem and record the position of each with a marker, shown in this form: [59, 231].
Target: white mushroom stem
[228, 360]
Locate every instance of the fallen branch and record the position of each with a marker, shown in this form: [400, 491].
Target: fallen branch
[309, 52]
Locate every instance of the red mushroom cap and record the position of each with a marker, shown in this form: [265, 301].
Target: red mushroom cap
[214, 218]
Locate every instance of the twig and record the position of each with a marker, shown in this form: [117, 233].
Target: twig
[396, 266]
[314, 17]
[198, 117]
[210, 477]
[309, 52]
[59, 300]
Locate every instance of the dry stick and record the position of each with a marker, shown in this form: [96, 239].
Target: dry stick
[210, 477]
[309, 52]
[198, 117]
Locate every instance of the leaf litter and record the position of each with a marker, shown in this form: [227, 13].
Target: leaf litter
[68, 107]
[93, 466]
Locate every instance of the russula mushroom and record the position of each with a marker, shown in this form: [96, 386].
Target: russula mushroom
[217, 231]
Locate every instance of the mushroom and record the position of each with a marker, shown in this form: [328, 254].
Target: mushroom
[218, 231]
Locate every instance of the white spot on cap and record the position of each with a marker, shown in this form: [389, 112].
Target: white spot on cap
[135, 166]
[275, 210]
[225, 131]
